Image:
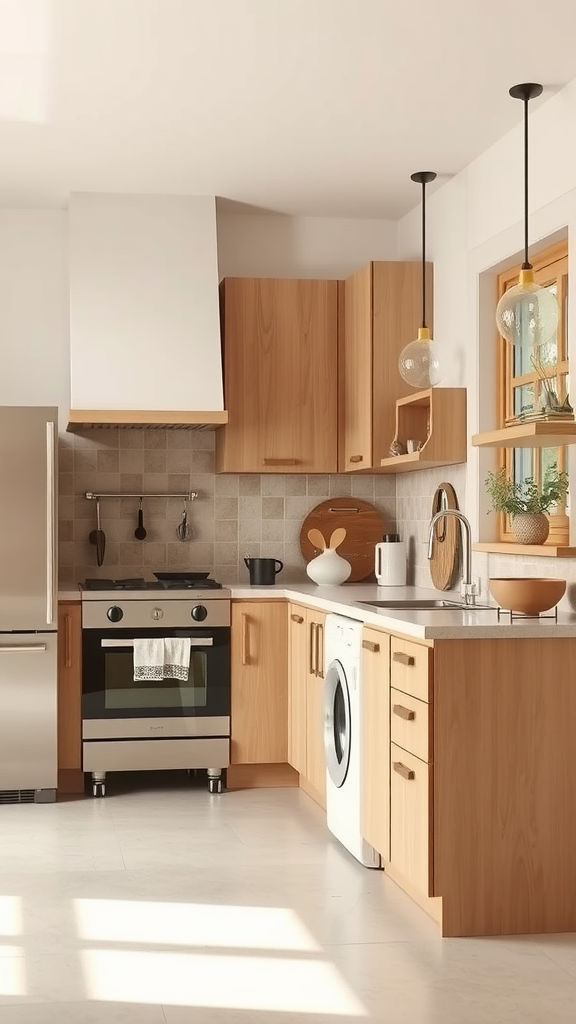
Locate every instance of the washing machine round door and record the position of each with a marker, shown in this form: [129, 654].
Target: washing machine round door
[336, 723]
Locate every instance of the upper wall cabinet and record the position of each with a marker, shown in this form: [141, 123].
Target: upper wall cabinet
[382, 313]
[280, 376]
[144, 317]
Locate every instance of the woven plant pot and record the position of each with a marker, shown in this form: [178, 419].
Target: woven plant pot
[530, 527]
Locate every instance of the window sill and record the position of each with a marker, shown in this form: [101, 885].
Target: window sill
[543, 550]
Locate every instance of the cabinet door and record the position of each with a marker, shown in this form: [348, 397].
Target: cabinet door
[280, 359]
[259, 667]
[356, 372]
[315, 753]
[375, 740]
[69, 685]
[411, 818]
[298, 681]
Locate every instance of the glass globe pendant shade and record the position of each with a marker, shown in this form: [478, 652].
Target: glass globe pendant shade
[418, 363]
[527, 314]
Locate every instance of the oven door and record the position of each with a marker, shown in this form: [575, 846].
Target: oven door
[109, 689]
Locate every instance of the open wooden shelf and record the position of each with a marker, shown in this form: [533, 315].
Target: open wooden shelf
[543, 550]
[539, 434]
[437, 417]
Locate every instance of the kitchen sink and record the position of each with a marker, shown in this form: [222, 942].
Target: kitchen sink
[424, 605]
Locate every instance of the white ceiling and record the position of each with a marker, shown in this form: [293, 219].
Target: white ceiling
[316, 107]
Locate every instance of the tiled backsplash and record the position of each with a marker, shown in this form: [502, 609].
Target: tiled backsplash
[234, 515]
[414, 495]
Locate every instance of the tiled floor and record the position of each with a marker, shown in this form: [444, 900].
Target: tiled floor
[163, 905]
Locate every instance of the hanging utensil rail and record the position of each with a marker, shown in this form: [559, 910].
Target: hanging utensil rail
[187, 495]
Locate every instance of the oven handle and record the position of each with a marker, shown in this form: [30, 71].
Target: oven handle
[195, 641]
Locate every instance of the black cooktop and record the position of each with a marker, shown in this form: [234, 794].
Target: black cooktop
[139, 583]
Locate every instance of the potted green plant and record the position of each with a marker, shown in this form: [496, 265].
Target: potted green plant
[527, 502]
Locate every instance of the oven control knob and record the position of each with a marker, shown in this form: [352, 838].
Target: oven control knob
[199, 613]
[115, 613]
[157, 614]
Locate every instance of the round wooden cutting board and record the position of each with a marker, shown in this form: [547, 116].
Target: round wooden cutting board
[446, 543]
[364, 527]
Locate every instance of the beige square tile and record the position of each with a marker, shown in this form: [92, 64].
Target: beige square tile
[225, 553]
[202, 461]
[318, 484]
[108, 461]
[202, 554]
[273, 530]
[179, 460]
[272, 484]
[65, 530]
[250, 508]
[297, 508]
[132, 461]
[66, 506]
[156, 483]
[226, 507]
[385, 485]
[66, 552]
[250, 530]
[203, 440]
[272, 508]
[203, 484]
[130, 553]
[155, 439]
[131, 439]
[273, 549]
[131, 483]
[178, 439]
[155, 508]
[178, 483]
[179, 555]
[363, 487]
[225, 530]
[65, 459]
[154, 554]
[226, 483]
[85, 460]
[155, 460]
[249, 484]
[294, 484]
[66, 483]
[340, 484]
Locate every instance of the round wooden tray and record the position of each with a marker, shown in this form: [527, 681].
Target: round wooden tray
[364, 527]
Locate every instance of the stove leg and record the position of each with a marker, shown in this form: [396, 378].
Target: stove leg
[98, 783]
[214, 780]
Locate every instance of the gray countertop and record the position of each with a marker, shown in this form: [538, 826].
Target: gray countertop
[423, 625]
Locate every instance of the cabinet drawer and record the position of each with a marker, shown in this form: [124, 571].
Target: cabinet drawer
[410, 724]
[411, 668]
[410, 818]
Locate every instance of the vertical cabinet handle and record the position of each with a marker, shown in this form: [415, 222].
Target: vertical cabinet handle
[297, 618]
[369, 645]
[320, 650]
[402, 712]
[404, 659]
[402, 770]
[312, 650]
[68, 641]
[245, 653]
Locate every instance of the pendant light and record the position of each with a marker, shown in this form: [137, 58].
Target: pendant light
[527, 314]
[418, 364]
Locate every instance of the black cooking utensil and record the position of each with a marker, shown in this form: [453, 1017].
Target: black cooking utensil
[140, 532]
[183, 530]
[98, 537]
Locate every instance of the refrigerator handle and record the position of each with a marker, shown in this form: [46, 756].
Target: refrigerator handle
[50, 539]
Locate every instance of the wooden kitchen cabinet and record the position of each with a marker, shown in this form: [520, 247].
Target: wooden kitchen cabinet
[306, 699]
[375, 748]
[382, 312]
[259, 680]
[280, 376]
[70, 775]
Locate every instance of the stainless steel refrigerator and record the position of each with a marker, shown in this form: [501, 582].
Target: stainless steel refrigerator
[28, 604]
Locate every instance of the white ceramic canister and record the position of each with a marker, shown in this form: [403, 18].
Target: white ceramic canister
[390, 561]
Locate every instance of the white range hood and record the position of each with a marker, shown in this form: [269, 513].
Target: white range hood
[145, 343]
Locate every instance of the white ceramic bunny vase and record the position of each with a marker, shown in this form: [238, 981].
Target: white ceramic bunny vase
[328, 568]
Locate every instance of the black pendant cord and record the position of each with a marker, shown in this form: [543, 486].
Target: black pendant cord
[526, 265]
[526, 91]
[423, 254]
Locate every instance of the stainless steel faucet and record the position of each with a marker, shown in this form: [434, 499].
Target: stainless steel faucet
[468, 587]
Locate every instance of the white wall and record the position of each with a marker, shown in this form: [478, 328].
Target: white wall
[276, 246]
[34, 360]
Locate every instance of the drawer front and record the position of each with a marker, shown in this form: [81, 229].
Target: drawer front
[411, 668]
[410, 818]
[410, 724]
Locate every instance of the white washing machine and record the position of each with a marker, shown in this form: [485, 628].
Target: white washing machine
[342, 735]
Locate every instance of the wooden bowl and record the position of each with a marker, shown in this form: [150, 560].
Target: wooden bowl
[528, 595]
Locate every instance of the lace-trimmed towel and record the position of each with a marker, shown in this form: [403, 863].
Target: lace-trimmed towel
[162, 658]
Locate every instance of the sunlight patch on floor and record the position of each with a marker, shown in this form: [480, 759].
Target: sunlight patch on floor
[13, 975]
[10, 915]
[192, 924]
[231, 982]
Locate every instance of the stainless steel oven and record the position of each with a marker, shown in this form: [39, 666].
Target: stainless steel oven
[129, 723]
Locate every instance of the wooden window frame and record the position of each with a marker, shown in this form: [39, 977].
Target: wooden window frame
[549, 265]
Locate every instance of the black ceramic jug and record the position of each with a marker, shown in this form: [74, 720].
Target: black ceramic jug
[263, 571]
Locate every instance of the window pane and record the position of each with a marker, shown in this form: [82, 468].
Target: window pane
[523, 399]
[522, 464]
[549, 456]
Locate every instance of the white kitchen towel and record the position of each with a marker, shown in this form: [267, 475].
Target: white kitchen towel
[149, 658]
[176, 657]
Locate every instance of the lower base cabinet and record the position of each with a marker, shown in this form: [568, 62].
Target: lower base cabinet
[410, 818]
[306, 699]
[259, 683]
